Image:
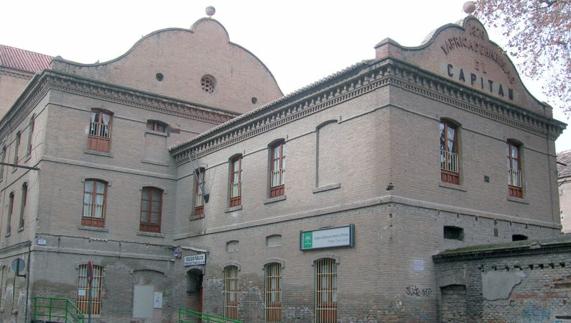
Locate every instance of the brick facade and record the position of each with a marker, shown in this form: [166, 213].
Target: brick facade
[361, 149]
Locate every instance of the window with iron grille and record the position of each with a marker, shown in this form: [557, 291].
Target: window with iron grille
[157, 126]
[94, 203]
[10, 212]
[198, 192]
[325, 291]
[231, 292]
[151, 209]
[235, 181]
[515, 183]
[99, 138]
[23, 205]
[273, 292]
[449, 156]
[277, 169]
[30, 134]
[89, 295]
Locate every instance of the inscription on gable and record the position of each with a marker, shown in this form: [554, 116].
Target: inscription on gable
[473, 60]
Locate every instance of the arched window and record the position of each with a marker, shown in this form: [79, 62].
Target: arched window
[30, 134]
[273, 292]
[199, 194]
[515, 174]
[326, 291]
[235, 181]
[94, 273]
[23, 205]
[4, 152]
[231, 292]
[100, 130]
[151, 209]
[17, 146]
[10, 212]
[94, 202]
[277, 168]
[449, 152]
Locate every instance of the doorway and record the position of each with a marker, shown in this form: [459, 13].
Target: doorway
[194, 289]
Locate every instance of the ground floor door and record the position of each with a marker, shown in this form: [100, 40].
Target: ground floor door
[194, 289]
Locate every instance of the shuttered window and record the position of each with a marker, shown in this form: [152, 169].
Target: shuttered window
[94, 196]
[151, 209]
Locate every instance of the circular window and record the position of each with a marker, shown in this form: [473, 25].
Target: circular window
[254, 100]
[208, 83]
[159, 77]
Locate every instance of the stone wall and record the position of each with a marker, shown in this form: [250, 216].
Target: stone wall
[518, 282]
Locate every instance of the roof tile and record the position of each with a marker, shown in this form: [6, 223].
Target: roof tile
[23, 60]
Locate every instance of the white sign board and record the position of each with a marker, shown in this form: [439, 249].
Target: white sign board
[195, 260]
[158, 300]
[327, 238]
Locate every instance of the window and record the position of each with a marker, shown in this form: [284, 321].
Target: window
[30, 134]
[236, 181]
[151, 207]
[515, 187]
[277, 169]
[208, 83]
[3, 161]
[453, 233]
[10, 211]
[94, 272]
[17, 146]
[158, 126]
[231, 292]
[449, 157]
[273, 289]
[94, 196]
[23, 205]
[100, 131]
[199, 193]
[325, 291]
[232, 246]
[519, 237]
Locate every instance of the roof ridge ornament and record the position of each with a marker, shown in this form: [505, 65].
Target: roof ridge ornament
[210, 11]
[469, 7]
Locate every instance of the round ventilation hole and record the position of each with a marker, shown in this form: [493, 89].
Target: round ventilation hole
[208, 83]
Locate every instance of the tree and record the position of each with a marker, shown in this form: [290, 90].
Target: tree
[538, 34]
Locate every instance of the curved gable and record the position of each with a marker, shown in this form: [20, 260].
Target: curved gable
[173, 62]
[464, 54]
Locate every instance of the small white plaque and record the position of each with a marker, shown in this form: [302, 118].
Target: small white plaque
[158, 300]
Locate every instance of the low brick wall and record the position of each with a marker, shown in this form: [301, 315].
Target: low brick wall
[527, 281]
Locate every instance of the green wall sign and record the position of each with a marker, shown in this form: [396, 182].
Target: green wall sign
[327, 238]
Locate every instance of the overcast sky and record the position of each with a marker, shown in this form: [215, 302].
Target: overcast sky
[300, 41]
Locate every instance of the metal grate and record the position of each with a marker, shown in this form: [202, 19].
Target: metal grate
[273, 289]
[231, 292]
[325, 291]
[83, 296]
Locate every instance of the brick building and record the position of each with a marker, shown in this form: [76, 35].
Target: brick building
[179, 176]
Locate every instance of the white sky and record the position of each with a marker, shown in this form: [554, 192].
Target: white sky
[300, 41]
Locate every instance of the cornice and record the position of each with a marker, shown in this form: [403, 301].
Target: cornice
[368, 78]
[15, 73]
[52, 80]
[140, 99]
